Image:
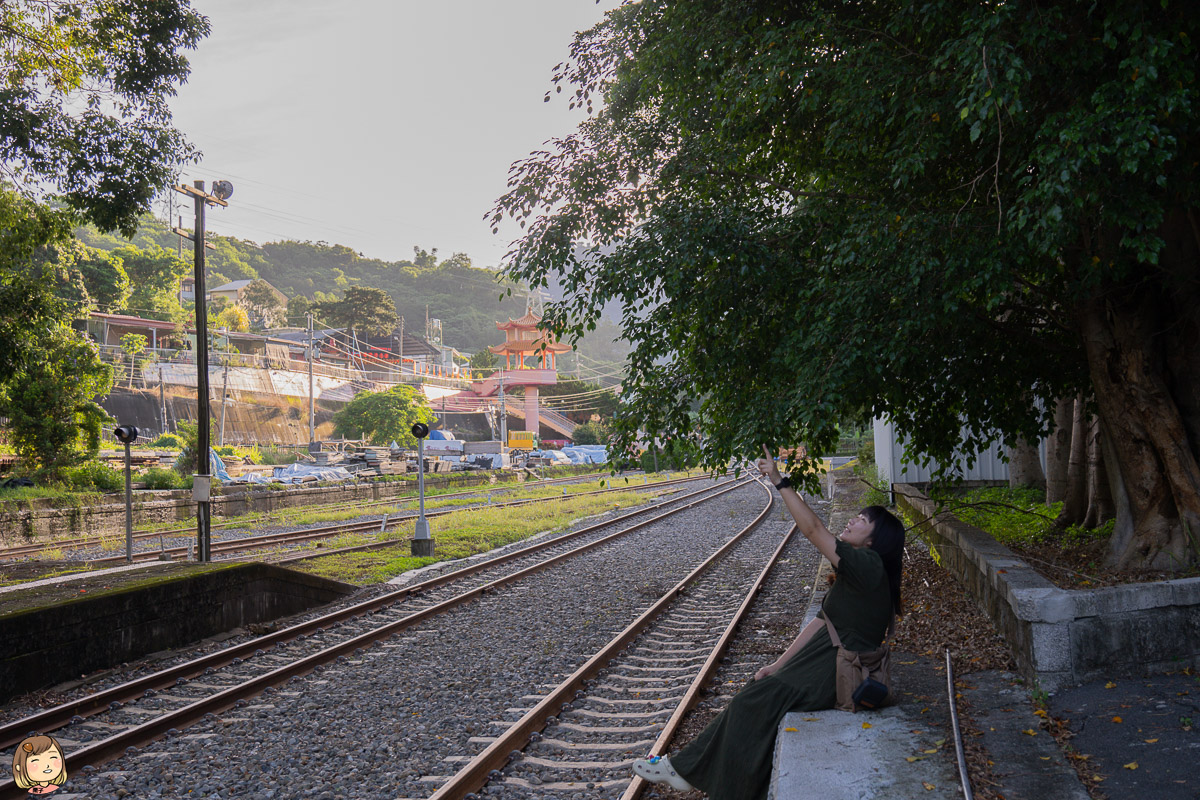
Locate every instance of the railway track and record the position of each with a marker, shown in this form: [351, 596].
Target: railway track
[171, 699]
[630, 697]
[388, 521]
[25, 551]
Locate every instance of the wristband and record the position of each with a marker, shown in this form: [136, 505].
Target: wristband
[786, 483]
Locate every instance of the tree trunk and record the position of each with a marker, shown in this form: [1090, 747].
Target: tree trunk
[1025, 466]
[1142, 340]
[1100, 507]
[1075, 497]
[1058, 451]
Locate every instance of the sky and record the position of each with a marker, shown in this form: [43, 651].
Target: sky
[377, 124]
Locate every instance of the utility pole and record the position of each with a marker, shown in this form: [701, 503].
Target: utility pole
[503, 414]
[312, 429]
[402, 349]
[224, 402]
[162, 397]
[202, 482]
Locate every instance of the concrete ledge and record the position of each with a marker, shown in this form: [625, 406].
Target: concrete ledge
[1064, 637]
[44, 646]
[830, 755]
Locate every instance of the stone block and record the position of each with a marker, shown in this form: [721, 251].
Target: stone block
[1052, 650]
[1133, 597]
[1185, 591]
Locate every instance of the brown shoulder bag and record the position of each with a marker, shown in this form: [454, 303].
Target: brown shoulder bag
[864, 679]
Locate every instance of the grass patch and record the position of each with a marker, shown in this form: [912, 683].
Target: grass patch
[51, 573]
[1018, 517]
[463, 534]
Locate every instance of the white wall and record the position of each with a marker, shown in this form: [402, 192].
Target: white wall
[891, 456]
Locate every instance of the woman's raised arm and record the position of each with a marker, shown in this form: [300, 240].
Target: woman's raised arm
[806, 519]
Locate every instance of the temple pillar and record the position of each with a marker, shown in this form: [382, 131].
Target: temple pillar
[532, 422]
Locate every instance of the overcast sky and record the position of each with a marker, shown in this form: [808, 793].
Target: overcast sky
[378, 124]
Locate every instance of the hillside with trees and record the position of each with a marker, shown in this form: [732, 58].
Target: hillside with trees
[467, 299]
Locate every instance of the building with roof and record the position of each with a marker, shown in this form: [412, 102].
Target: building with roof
[234, 290]
[107, 329]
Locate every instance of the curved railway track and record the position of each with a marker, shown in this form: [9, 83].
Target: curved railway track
[250, 543]
[179, 696]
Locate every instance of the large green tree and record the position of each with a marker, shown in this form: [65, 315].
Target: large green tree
[54, 418]
[384, 417]
[155, 275]
[84, 86]
[951, 213]
[361, 308]
[262, 304]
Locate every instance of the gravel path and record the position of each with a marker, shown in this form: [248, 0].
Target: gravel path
[383, 724]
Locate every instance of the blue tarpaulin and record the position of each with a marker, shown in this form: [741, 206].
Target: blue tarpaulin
[587, 454]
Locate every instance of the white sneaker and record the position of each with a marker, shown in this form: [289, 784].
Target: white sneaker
[658, 769]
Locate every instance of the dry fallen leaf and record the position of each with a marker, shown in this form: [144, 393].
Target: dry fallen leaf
[1131, 765]
[929, 787]
[1151, 741]
[911, 759]
[866, 725]
[1029, 732]
[789, 730]
[1117, 719]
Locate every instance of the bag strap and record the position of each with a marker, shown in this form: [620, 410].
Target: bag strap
[833, 635]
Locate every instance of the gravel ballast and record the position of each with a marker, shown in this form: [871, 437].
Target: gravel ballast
[383, 723]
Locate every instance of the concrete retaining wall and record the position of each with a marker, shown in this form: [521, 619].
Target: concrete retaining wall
[45, 646]
[42, 518]
[1063, 637]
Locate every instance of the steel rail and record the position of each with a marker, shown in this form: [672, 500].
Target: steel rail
[87, 541]
[54, 718]
[692, 696]
[963, 777]
[308, 534]
[475, 774]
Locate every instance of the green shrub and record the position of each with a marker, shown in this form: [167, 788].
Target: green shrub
[865, 456]
[677, 454]
[168, 440]
[94, 477]
[275, 455]
[159, 478]
[589, 433]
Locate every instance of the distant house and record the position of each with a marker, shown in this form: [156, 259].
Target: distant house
[234, 290]
[108, 329]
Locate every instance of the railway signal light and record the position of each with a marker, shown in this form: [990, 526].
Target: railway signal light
[127, 435]
[422, 545]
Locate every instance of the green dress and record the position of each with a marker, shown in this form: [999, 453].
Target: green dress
[731, 758]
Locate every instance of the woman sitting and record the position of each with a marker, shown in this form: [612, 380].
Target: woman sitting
[731, 758]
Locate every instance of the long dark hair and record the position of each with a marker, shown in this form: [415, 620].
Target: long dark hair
[887, 539]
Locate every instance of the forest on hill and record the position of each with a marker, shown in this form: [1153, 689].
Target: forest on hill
[467, 299]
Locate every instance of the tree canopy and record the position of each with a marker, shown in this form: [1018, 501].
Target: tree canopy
[948, 213]
[384, 417]
[364, 309]
[84, 99]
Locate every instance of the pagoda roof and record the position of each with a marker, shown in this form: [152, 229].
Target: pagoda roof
[530, 320]
[529, 346]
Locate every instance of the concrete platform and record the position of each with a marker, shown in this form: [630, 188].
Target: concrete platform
[98, 621]
[836, 755]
